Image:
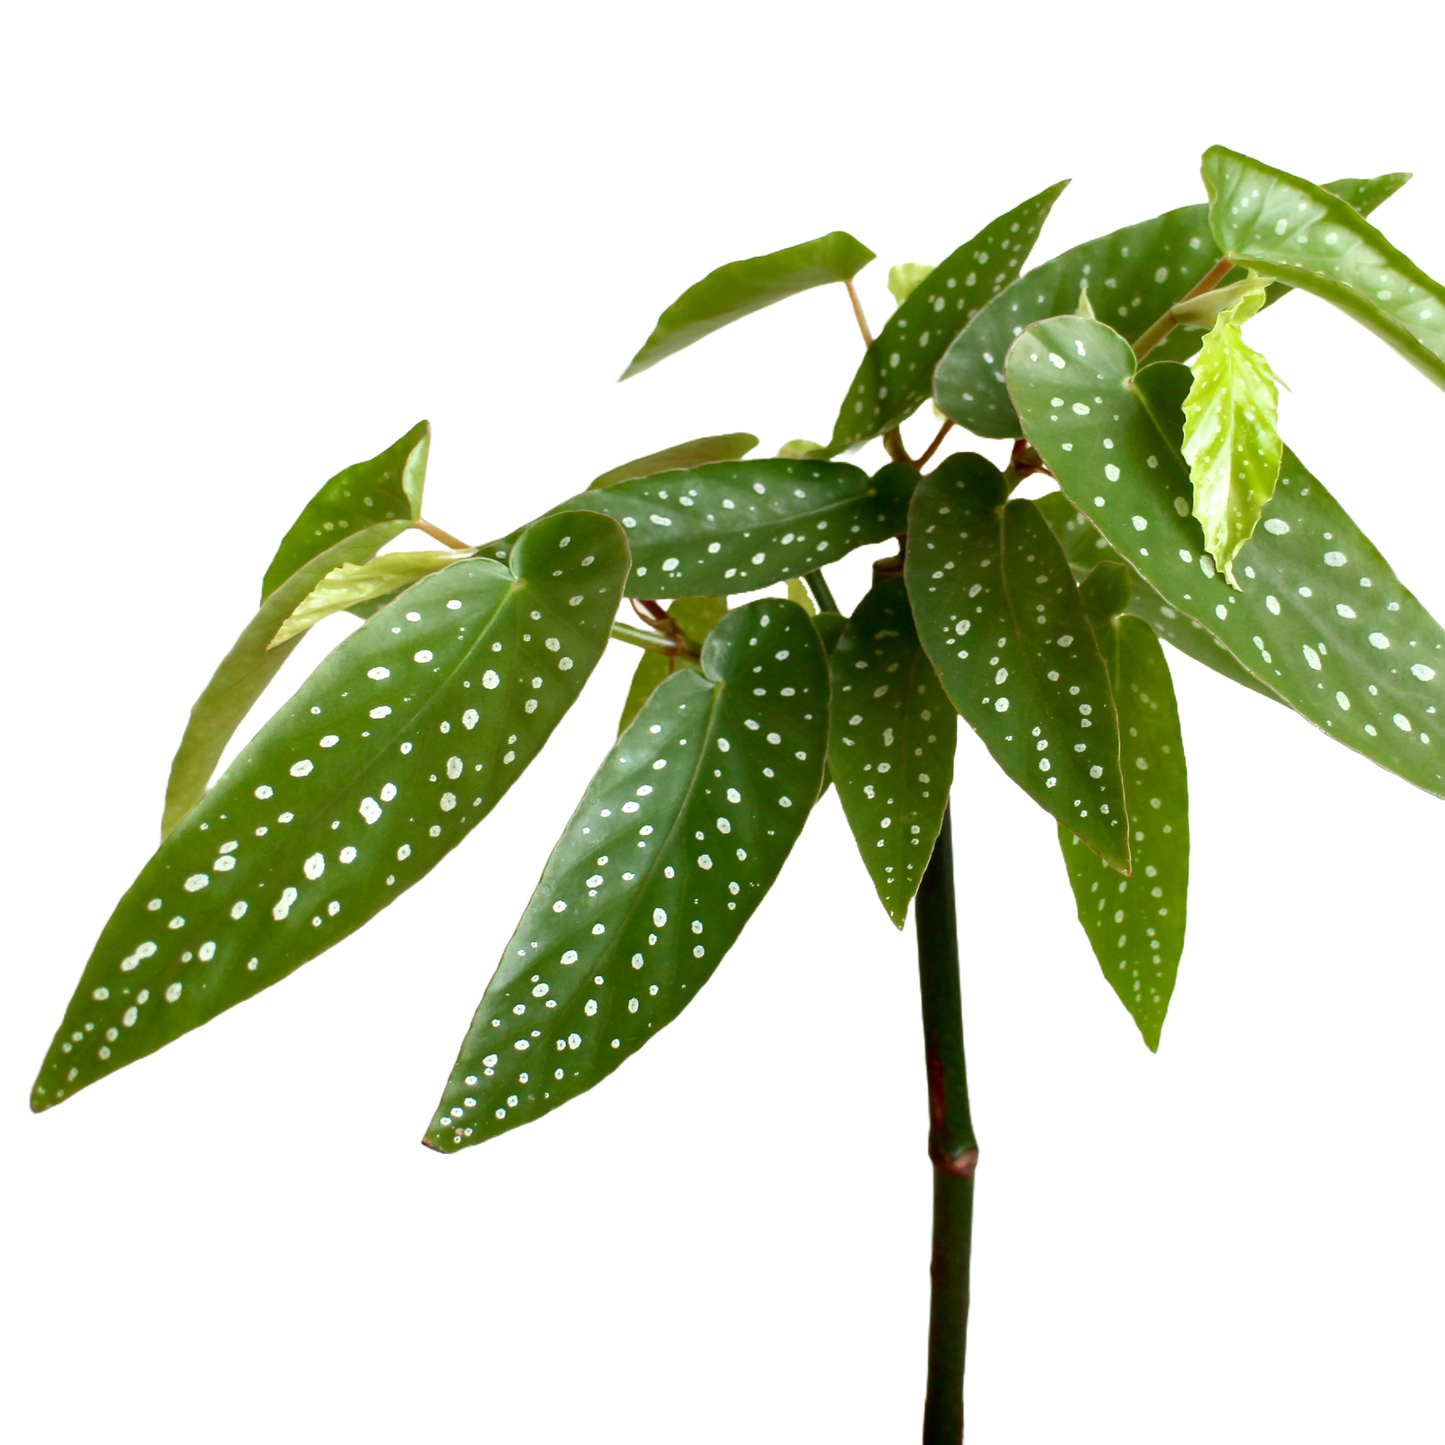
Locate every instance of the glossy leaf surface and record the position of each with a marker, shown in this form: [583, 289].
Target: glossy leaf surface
[1000, 618]
[1134, 276]
[1322, 619]
[388, 488]
[742, 287]
[698, 452]
[1283, 226]
[896, 375]
[1136, 924]
[676, 841]
[891, 742]
[402, 740]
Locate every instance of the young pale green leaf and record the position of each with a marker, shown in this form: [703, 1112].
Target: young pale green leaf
[1322, 619]
[1231, 435]
[1000, 618]
[904, 280]
[1288, 228]
[388, 488]
[392, 751]
[674, 844]
[801, 447]
[742, 287]
[896, 375]
[1134, 276]
[891, 742]
[726, 448]
[1136, 924]
[1086, 549]
[350, 584]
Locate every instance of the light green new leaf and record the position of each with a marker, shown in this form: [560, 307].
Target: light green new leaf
[675, 843]
[1285, 227]
[1231, 435]
[1136, 924]
[697, 616]
[1323, 620]
[891, 742]
[388, 488]
[349, 584]
[402, 740]
[1134, 276]
[1000, 618]
[742, 287]
[904, 280]
[896, 376]
[726, 448]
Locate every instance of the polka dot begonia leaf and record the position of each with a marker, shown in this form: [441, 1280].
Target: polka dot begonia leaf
[1136, 924]
[400, 742]
[891, 742]
[1000, 618]
[896, 375]
[1321, 617]
[679, 836]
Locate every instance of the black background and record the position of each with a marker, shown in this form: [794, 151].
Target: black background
[731, 1233]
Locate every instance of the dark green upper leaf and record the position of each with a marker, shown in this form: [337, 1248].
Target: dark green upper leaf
[696, 453]
[674, 844]
[742, 287]
[1000, 618]
[402, 740]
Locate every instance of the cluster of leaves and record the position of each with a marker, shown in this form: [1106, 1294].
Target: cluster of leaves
[1179, 516]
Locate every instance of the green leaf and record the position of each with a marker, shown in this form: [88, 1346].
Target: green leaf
[676, 841]
[246, 672]
[1134, 276]
[697, 616]
[742, 287]
[897, 371]
[891, 742]
[388, 488]
[1086, 549]
[1231, 435]
[904, 280]
[801, 447]
[349, 585]
[392, 751]
[1322, 618]
[1136, 924]
[696, 453]
[1000, 618]
[1287, 228]
[830, 627]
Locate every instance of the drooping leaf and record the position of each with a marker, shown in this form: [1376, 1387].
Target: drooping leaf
[1231, 434]
[349, 585]
[1322, 619]
[388, 488]
[891, 742]
[1285, 227]
[696, 453]
[1086, 549]
[393, 750]
[674, 844]
[742, 287]
[896, 376]
[1134, 276]
[904, 280]
[1000, 618]
[1136, 924]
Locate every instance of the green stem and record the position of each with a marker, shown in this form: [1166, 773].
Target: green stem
[822, 593]
[951, 1143]
[648, 641]
[1168, 321]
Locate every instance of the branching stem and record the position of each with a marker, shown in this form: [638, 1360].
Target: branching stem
[445, 538]
[1168, 321]
[650, 641]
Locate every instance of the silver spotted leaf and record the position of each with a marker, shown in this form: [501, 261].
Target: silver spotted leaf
[1086, 548]
[1136, 924]
[1321, 617]
[676, 841]
[403, 739]
[1000, 618]
[891, 742]
[726, 448]
[1134, 276]
[741, 526]
[896, 375]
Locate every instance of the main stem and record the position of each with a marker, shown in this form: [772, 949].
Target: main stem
[951, 1143]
